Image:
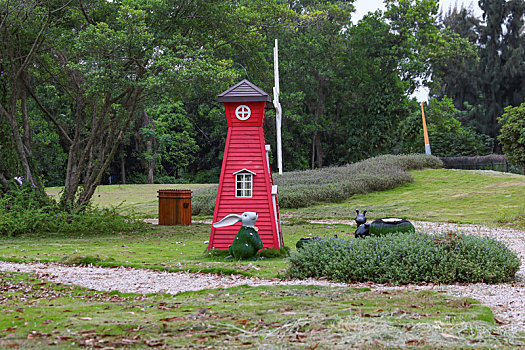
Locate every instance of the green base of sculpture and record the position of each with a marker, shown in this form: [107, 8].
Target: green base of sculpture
[245, 244]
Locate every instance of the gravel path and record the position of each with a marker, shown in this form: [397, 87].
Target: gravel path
[506, 300]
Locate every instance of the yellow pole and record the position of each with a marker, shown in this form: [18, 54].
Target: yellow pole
[425, 132]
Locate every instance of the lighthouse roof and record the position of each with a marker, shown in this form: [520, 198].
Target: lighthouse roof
[243, 92]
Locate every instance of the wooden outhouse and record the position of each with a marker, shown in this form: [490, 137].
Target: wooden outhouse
[246, 182]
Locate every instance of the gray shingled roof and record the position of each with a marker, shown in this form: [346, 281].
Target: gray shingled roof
[243, 92]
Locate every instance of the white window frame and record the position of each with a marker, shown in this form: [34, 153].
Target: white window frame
[244, 183]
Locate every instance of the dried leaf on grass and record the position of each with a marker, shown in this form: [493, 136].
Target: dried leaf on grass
[449, 336]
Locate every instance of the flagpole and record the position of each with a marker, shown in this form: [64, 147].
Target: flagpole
[278, 110]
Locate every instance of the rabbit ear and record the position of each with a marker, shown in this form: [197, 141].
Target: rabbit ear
[228, 220]
[364, 212]
[357, 211]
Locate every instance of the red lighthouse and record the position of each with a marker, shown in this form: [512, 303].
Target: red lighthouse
[246, 182]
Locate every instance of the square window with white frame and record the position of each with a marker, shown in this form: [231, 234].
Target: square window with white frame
[243, 185]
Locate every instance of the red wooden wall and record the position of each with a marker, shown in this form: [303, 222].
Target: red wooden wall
[245, 149]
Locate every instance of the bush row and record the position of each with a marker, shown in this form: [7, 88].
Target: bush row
[304, 188]
[406, 258]
[21, 211]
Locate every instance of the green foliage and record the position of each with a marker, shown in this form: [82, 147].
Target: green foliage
[172, 135]
[246, 244]
[407, 258]
[203, 201]
[21, 211]
[76, 259]
[492, 77]
[512, 134]
[272, 253]
[413, 23]
[304, 188]
[448, 138]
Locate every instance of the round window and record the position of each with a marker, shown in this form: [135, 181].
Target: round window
[243, 112]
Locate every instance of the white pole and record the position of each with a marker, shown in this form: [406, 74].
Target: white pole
[278, 110]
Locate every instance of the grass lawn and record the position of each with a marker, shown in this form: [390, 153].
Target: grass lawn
[173, 248]
[439, 195]
[141, 199]
[39, 314]
[443, 195]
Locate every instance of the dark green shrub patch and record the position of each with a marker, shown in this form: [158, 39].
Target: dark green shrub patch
[271, 253]
[406, 258]
[76, 259]
[299, 189]
[21, 211]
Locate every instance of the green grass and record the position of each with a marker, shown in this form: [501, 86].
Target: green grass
[164, 248]
[141, 199]
[40, 314]
[284, 316]
[442, 195]
[437, 195]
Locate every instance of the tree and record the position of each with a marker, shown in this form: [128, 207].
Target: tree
[170, 139]
[106, 62]
[448, 138]
[310, 57]
[512, 134]
[23, 29]
[484, 85]
[413, 22]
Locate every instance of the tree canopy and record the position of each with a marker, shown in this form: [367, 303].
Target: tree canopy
[105, 91]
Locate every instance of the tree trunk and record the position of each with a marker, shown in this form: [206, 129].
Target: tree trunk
[319, 151]
[109, 148]
[22, 153]
[123, 170]
[28, 140]
[313, 152]
[319, 107]
[150, 175]
[4, 183]
[150, 148]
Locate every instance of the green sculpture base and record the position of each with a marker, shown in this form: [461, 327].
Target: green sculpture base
[245, 244]
[380, 227]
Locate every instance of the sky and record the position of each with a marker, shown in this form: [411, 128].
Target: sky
[362, 7]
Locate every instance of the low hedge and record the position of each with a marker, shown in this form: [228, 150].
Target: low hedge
[299, 189]
[406, 258]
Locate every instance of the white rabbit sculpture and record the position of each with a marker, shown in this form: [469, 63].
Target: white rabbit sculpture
[247, 241]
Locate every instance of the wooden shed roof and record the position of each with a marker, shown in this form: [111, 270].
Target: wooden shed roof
[243, 92]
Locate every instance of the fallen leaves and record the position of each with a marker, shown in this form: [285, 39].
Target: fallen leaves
[449, 336]
[500, 321]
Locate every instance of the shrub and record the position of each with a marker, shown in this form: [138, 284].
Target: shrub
[512, 134]
[271, 253]
[170, 180]
[304, 188]
[496, 162]
[406, 258]
[203, 201]
[21, 211]
[75, 259]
